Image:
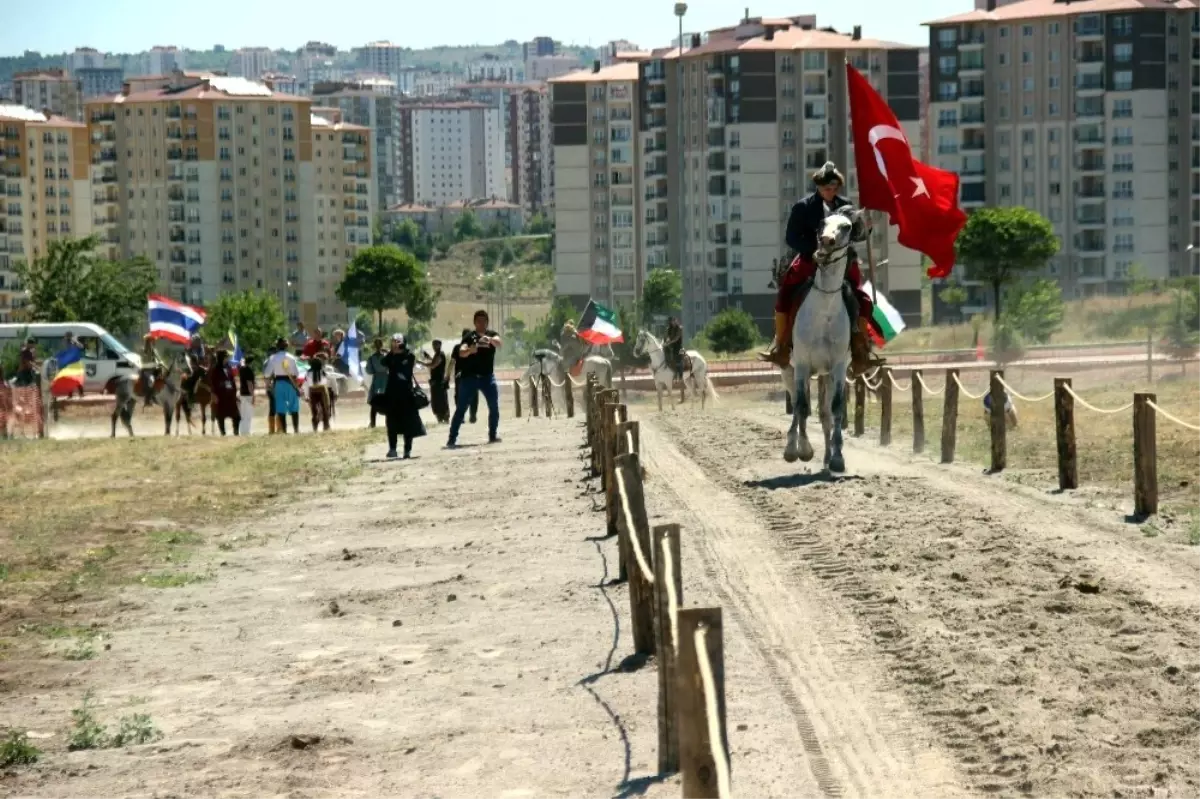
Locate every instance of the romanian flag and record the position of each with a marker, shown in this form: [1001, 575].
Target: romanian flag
[69, 377]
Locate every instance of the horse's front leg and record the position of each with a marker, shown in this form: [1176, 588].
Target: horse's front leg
[836, 461]
[115, 413]
[825, 398]
[798, 446]
[658, 391]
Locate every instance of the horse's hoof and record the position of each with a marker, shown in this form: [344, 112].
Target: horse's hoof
[806, 452]
[837, 464]
[791, 456]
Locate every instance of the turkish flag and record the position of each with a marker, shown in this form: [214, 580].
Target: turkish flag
[920, 199]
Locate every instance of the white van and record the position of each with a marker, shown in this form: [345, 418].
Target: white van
[104, 358]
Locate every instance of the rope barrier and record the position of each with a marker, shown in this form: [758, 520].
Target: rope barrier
[647, 572]
[963, 389]
[870, 385]
[926, 387]
[1172, 417]
[710, 707]
[1092, 407]
[1014, 393]
[672, 598]
[892, 377]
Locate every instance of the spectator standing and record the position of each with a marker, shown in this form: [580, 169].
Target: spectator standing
[246, 384]
[439, 401]
[478, 356]
[315, 344]
[299, 337]
[283, 372]
[378, 374]
[456, 360]
[403, 415]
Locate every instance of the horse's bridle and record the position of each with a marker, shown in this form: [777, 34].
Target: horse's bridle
[824, 260]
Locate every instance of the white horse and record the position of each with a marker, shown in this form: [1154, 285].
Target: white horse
[597, 359]
[821, 342]
[695, 373]
[554, 366]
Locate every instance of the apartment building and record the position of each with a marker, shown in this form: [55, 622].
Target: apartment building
[541, 68]
[693, 157]
[97, 81]
[283, 83]
[382, 58]
[1089, 113]
[84, 58]
[50, 89]
[163, 60]
[498, 95]
[451, 151]
[44, 191]
[494, 69]
[252, 62]
[532, 151]
[362, 103]
[227, 185]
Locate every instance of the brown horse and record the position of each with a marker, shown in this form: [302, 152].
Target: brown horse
[201, 396]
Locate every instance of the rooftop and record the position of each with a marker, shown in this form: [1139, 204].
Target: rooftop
[328, 123]
[1037, 9]
[780, 34]
[624, 71]
[202, 87]
[19, 113]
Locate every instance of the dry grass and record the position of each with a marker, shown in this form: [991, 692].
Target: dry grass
[85, 515]
[1104, 442]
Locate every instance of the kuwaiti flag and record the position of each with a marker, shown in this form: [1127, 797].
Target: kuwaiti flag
[69, 377]
[172, 320]
[886, 322]
[598, 325]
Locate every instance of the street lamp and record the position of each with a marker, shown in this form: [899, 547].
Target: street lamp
[684, 273]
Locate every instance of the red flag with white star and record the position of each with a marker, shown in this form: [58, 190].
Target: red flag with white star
[919, 199]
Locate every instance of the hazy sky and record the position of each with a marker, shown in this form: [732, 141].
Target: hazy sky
[133, 25]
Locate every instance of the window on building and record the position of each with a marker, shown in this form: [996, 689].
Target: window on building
[1122, 80]
[1122, 109]
[1123, 52]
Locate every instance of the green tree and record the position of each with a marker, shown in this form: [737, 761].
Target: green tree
[1036, 310]
[406, 234]
[998, 245]
[627, 320]
[422, 301]
[1006, 342]
[70, 284]
[662, 293]
[953, 296]
[732, 330]
[538, 226]
[467, 226]
[562, 310]
[255, 316]
[383, 278]
[1183, 322]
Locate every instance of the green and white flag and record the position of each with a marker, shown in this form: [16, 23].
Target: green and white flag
[598, 325]
[886, 322]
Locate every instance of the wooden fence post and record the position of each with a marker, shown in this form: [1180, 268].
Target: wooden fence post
[1145, 455]
[860, 405]
[547, 388]
[627, 429]
[918, 411]
[569, 396]
[667, 572]
[517, 397]
[534, 385]
[950, 417]
[696, 762]
[1064, 433]
[885, 407]
[614, 414]
[998, 423]
[636, 529]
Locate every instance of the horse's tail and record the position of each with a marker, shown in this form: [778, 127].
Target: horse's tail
[712, 389]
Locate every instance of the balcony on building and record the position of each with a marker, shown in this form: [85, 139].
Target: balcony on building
[974, 167]
[973, 116]
[971, 64]
[1091, 215]
[971, 38]
[1089, 161]
[1090, 53]
[716, 139]
[716, 186]
[719, 234]
[1089, 83]
[1090, 268]
[1089, 136]
[814, 159]
[973, 141]
[1089, 189]
[1089, 107]
[716, 162]
[1090, 26]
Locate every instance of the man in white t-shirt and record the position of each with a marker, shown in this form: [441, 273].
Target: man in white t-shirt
[283, 372]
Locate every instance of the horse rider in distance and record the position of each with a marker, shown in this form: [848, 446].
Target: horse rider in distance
[803, 229]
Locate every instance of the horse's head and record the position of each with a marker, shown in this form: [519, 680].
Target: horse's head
[840, 229]
[640, 343]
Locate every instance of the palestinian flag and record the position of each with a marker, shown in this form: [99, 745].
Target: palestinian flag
[598, 325]
[886, 322]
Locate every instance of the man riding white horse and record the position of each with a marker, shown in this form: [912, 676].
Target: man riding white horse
[803, 228]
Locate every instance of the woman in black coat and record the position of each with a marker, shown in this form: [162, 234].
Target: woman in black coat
[403, 415]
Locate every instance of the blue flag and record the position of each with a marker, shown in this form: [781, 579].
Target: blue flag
[348, 350]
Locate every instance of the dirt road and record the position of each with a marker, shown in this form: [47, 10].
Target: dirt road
[908, 609]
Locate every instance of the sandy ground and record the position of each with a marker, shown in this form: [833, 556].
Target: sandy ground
[907, 630]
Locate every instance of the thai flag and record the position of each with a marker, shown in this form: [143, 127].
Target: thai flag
[172, 320]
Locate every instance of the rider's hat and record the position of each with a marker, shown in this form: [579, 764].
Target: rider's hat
[827, 175]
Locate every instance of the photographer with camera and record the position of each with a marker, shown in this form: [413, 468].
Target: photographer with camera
[477, 356]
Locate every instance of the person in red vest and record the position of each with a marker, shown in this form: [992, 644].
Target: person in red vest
[803, 229]
[315, 344]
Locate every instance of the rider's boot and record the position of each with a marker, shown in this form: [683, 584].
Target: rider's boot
[779, 350]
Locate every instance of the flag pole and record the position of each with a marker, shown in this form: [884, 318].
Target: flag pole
[871, 269]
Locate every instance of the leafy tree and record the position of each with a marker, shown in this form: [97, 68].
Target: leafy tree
[732, 330]
[662, 293]
[1006, 342]
[999, 244]
[416, 334]
[255, 316]
[467, 226]
[422, 301]
[406, 234]
[70, 284]
[627, 320]
[549, 329]
[1183, 323]
[383, 278]
[1035, 311]
[538, 226]
[953, 296]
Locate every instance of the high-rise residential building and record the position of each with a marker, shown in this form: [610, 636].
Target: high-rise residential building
[282, 83]
[434, 83]
[97, 81]
[705, 184]
[494, 69]
[542, 68]
[44, 190]
[227, 185]
[252, 62]
[1088, 113]
[163, 60]
[50, 89]
[498, 95]
[540, 46]
[363, 104]
[616, 51]
[381, 58]
[450, 151]
[532, 150]
[84, 58]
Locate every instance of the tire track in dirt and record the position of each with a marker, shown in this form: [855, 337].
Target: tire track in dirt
[856, 740]
[1042, 677]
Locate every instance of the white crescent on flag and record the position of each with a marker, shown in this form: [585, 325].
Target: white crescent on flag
[878, 134]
